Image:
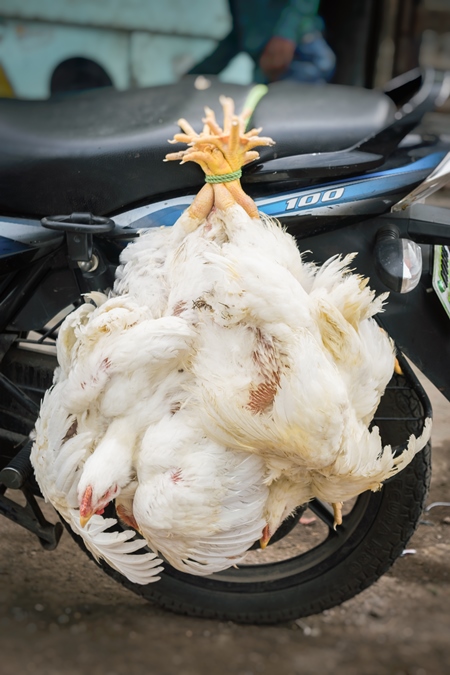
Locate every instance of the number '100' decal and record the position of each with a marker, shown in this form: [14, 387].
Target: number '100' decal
[314, 198]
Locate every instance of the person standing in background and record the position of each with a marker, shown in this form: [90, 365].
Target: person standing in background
[283, 37]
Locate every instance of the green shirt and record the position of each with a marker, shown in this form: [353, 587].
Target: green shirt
[256, 21]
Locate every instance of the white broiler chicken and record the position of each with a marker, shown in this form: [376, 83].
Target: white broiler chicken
[91, 419]
[290, 363]
[58, 457]
[224, 383]
[198, 504]
[300, 378]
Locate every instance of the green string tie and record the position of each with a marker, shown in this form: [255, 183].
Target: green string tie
[224, 177]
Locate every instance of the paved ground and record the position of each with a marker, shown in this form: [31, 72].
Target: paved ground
[60, 615]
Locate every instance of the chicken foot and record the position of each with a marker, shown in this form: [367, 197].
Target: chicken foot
[337, 511]
[220, 153]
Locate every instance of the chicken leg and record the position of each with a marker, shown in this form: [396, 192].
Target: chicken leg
[337, 511]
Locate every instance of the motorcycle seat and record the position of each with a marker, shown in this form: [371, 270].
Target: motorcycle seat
[102, 150]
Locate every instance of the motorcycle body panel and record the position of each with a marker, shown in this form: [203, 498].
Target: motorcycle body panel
[22, 241]
[366, 195]
[35, 279]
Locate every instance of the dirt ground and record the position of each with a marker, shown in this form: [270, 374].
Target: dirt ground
[61, 615]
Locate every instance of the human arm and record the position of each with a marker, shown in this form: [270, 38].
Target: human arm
[297, 19]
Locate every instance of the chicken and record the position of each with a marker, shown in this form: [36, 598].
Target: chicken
[90, 420]
[198, 504]
[58, 456]
[303, 365]
[300, 389]
[222, 383]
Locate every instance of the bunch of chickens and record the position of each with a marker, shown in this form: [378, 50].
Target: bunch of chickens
[221, 384]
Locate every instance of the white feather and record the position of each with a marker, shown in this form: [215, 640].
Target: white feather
[58, 464]
[199, 504]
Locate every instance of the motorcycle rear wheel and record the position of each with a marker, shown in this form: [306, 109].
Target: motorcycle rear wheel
[374, 532]
[371, 538]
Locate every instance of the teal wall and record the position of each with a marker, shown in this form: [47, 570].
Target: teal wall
[201, 18]
[137, 42]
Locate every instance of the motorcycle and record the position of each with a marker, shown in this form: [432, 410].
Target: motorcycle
[348, 174]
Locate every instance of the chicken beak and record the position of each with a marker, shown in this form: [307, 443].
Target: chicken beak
[263, 542]
[85, 519]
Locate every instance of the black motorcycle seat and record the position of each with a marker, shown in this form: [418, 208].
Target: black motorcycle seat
[102, 150]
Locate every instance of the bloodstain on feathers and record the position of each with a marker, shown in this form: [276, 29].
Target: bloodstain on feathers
[265, 358]
[176, 476]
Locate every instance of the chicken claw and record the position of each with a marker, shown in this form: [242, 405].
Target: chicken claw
[337, 511]
[220, 151]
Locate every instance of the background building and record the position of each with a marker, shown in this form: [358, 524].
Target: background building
[47, 46]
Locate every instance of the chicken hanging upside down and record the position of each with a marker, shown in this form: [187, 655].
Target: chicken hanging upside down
[222, 384]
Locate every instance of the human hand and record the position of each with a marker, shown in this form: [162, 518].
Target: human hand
[276, 57]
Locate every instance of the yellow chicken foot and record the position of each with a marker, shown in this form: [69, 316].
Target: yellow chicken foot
[222, 197]
[337, 511]
[221, 153]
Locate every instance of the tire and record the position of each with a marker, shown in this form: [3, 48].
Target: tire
[374, 533]
[272, 593]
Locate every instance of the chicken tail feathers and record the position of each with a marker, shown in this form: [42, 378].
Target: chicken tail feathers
[414, 445]
[349, 293]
